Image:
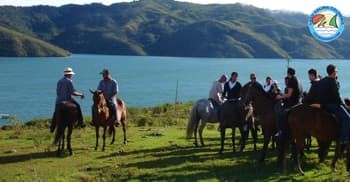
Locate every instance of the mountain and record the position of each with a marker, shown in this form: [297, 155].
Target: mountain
[171, 28]
[15, 44]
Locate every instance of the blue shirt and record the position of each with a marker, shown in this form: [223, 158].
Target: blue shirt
[64, 90]
[109, 89]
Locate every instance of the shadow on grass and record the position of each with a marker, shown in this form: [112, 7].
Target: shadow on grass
[26, 157]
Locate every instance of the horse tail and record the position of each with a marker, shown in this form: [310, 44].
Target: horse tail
[192, 122]
[60, 126]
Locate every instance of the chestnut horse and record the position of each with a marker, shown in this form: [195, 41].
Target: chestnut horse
[66, 117]
[264, 107]
[304, 121]
[101, 117]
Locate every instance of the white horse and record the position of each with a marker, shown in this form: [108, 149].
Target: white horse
[202, 112]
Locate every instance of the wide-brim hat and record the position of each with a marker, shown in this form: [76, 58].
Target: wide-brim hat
[68, 71]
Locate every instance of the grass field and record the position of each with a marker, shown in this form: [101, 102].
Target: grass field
[155, 152]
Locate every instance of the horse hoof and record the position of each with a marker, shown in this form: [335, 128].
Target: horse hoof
[95, 148]
[112, 143]
[195, 144]
[71, 153]
[125, 142]
[220, 151]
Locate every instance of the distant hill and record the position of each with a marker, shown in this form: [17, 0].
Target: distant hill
[14, 44]
[171, 28]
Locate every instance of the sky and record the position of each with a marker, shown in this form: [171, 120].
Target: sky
[305, 6]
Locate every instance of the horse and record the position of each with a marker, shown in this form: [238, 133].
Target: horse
[304, 121]
[66, 117]
[264, 107]
[101, 117]
[234, 114]
[202, 112]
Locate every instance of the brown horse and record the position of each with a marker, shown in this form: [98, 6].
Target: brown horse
[263, 105]
[66, 117]
[233, 114]
[101, 117]
[305, 121]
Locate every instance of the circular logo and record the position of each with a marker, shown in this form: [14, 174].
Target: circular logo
[326, 23]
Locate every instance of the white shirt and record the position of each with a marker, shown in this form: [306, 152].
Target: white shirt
[231, 84]
[267, 87]
[216, 91]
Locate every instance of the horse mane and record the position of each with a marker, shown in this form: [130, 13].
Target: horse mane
[259, 88]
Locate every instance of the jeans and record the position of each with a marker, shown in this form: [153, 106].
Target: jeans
[344, 117]
[113, 109]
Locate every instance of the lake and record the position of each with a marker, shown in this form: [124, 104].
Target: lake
[27, 85]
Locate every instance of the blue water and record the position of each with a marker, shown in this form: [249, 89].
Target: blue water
[27, 85]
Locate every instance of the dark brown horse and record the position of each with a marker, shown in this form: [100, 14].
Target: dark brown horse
[233, 115]
[305, 121]
[264, 107]
[101, 117]
[66, 117]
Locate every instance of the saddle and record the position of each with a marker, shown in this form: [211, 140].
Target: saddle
[67, 105]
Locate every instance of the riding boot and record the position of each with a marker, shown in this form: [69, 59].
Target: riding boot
[53, 123]
[81, 123]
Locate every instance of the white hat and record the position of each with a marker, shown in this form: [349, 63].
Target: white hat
[275, 82]
[68, 71]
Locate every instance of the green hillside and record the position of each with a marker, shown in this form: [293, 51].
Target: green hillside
[13, 44]
[171, 28]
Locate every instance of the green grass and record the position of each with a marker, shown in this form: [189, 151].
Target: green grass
[157, 151]
[147, 157]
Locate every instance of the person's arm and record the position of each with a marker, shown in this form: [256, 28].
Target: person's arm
[225, 90]
[285, 96]
[73, 91]
[335, 93]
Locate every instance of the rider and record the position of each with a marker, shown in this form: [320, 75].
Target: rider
[290, 99]
[65, 90]
[215, 93]
[329, 97]
[232, 91]
[267, 86]
[110, 89]
[311, 96]
[253, 80]
[232, 88]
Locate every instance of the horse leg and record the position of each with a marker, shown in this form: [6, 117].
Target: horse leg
[69, 137]
[300, 141]
[308, 143]
[266, 144]
[104, 138]
[201, 128]
[233, 139]
[124, 131]
[323, 150]
[222, 137]
[97, 136]
[195, 135]
[113, 133]
[254, 133]
[337, 154]
[63, 137]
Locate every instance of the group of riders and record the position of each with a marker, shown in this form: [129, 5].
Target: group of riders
[323, 92]
[65, 90]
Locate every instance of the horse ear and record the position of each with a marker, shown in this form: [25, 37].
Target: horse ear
[93, 92]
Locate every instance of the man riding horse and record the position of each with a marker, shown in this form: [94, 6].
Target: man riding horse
[329, 97]
[110, 89]
[311, 96]
[65, 89]
[290, 99]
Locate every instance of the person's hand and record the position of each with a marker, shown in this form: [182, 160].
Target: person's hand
[82, 96]
[278, 97]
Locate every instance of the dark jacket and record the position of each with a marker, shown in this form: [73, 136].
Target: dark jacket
[311, 97]
[294, 84]
[328, 91]
[233, 93]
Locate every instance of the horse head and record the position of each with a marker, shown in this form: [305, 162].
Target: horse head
[99, 101]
